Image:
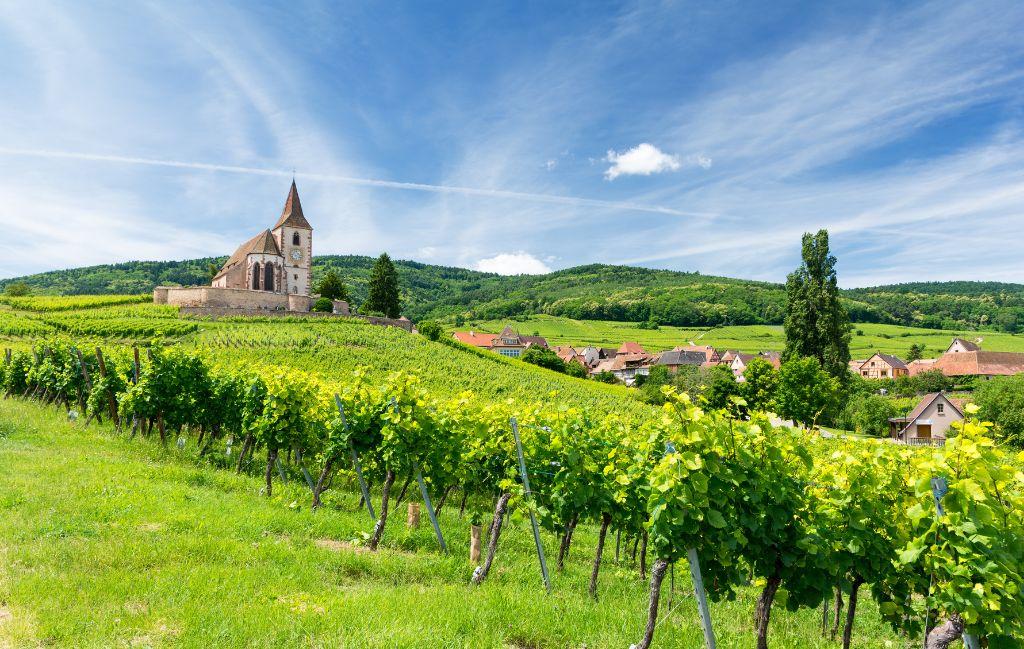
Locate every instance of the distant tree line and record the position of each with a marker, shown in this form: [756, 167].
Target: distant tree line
[593, 292]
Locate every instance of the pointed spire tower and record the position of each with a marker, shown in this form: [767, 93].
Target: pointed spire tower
[294, 236]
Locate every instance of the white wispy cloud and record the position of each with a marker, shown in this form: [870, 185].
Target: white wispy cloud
[350, 180]
[642, 160]
[513, 263]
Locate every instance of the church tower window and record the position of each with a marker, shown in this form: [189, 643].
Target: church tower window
[295, 239]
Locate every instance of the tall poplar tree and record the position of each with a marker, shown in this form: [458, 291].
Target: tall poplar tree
[817, 325]
[383, 288]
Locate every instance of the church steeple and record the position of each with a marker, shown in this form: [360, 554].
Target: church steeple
[292, 215]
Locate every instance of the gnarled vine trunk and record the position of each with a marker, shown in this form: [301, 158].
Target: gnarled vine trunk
[321, 481]
[563, 548]
[246, 445]
[657, 576]
[946, 633]
[838, 614]
[763, 612]
[492, 543]
[851, 611]
[643, 555]
[606, 520]
[378, 529]
[271, 459]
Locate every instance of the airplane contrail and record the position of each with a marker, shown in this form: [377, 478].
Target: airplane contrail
[366, 182]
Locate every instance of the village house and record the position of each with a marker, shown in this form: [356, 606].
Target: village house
[965, 358]
[883, 366]
[508, 343]
[740, 362]
[915, 367]
[570, 355]
[626, 367]
[631, 348]
[960, 345]
[980, 363]
[711, 356]
[675, 359]
[928, 422]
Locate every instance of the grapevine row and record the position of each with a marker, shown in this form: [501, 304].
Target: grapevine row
[819, 519]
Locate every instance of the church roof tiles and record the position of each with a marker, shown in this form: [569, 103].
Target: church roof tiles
[292, 215]
[262, 243]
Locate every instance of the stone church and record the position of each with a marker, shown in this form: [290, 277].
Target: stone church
[271, 271]
[276, 260]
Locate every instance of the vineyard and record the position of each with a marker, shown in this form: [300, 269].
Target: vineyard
[809, 523]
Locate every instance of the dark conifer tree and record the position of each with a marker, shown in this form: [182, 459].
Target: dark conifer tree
[382, 294]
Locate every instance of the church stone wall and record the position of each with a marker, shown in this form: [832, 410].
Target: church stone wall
[228, 298]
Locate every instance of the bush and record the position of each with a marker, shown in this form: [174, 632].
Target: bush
[1002, 402]
[605, 377]
[577, 370]
[544, 358]
[323, 305]
[18, 289]
[650, 390]
[331, 286]
[869, 414]
[430, 330]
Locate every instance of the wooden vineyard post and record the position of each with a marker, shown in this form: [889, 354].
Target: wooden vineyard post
[412, 518]
[355, 461]
[430, 509]
[475, 543]
[135, 373]
[702, 598]
[135, 381]
[88, 385]
[533, 516]
[111, 403]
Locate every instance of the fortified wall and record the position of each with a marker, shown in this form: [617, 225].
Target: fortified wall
[216, 302]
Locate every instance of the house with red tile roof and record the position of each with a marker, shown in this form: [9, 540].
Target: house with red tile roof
[631, 348]
[508, 343]
[980, 363]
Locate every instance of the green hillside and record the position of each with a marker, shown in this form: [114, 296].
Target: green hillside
[868, 337]
[593, 292]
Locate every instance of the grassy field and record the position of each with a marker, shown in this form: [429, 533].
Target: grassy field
[891, 339]
[107, 542]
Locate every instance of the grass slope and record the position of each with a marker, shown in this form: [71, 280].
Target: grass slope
[890, 339]
[107, 542]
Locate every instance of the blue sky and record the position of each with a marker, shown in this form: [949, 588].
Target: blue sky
[519, 138]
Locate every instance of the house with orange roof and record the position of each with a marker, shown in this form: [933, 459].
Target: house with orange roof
[508, 343]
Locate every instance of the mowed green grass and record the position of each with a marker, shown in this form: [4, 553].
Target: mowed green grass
[890, 339]
[107, 542]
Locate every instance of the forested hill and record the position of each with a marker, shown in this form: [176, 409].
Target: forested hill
[597, 292]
